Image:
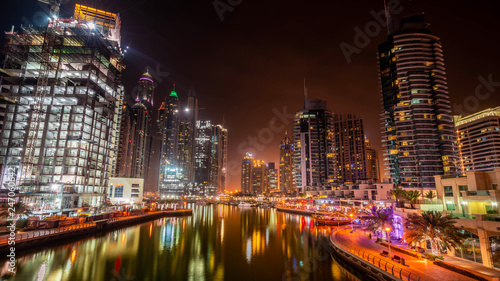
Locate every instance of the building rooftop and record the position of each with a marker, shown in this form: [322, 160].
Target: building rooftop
[459, 120]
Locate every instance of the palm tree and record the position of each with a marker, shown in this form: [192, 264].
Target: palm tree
[397, 193]
[21, 209]
[430, 195]
[380, 219]
[412, 196]
[432, 226]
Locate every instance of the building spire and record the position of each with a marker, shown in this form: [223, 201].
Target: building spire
[305, 89]
[388, 18]
[173, 93]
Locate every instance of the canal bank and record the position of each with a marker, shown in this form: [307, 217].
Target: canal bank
[32, 239]
[299, 211]
[217, 242]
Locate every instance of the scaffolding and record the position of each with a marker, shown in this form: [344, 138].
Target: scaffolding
[66, 81]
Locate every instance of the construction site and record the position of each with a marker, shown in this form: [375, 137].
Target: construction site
[62, 99]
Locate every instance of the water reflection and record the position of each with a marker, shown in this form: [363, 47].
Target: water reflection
[217, 243]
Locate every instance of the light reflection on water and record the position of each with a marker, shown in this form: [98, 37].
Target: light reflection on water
[217, 243]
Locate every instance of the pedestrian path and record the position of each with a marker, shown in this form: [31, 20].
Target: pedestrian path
[420, 267]
[470, 265]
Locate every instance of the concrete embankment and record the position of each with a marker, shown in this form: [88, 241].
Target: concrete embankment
[357, 264]
[37, 238]
[299, 211]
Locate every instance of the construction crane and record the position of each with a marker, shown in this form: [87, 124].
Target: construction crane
[41, 91]
[54, 7]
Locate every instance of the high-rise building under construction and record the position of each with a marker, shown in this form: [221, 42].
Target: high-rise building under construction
[58, 138]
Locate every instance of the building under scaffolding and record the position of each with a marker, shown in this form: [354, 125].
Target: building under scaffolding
[58, 137]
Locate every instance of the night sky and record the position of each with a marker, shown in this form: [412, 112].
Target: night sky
[255, 60]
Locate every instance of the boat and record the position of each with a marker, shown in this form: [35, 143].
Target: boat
[244, 204]
[330, 220]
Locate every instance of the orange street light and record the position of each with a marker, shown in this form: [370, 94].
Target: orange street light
[388, 240]
[352, 226]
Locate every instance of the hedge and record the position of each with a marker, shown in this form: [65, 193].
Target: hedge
[459, 270]
[404, 251]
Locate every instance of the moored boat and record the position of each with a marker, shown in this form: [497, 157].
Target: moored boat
[244, 204]
[330, 220]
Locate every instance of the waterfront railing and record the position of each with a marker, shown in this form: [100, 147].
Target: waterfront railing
[382, 264]
[41, 233]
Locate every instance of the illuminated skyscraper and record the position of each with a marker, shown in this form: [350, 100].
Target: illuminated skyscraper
[313, 147]
[259, 177]
[479, 140]
[202, 159]
[141, 126]
[372, 162]
[125, 146]
[218, 158]
[417, 127]
[272, 178]
[246, 174]
[350, 147]
[286, 183]
[170, 174]
[187, 139]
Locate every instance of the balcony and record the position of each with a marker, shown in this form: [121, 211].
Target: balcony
[478, 193]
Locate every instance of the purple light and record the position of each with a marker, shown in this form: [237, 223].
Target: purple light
[145, 78]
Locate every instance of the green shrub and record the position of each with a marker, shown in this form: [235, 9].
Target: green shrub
[432, 257]
[491, 211]
[21, 223]
[459, 270]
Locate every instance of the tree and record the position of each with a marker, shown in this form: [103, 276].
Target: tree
[412, 196]
[432, 226]
[430, 195]
[380, 219]
[397, 193]
[21, 209]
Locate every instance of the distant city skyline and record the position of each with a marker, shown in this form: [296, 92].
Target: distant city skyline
[268, 78]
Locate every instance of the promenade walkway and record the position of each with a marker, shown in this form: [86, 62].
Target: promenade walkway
[470, 265]
[425, 269]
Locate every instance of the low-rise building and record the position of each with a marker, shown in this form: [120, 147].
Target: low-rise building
[473, 199]
[126, 191]
[474, 193]
[362, 190]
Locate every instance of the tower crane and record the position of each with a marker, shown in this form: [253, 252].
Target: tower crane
[54, 7]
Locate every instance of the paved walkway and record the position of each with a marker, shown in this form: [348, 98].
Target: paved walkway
[470, 265]
[421, 267]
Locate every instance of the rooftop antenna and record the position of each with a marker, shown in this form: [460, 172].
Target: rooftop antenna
[305, 89]
[388, 18]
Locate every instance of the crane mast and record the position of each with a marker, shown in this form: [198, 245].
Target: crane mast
[41, 91]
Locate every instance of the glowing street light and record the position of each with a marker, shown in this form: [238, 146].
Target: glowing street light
[387, 229]
[352, 226]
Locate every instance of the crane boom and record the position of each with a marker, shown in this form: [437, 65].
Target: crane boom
[54, 7]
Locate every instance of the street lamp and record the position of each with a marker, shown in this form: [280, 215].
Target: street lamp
[352, 226]
[387, 229]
